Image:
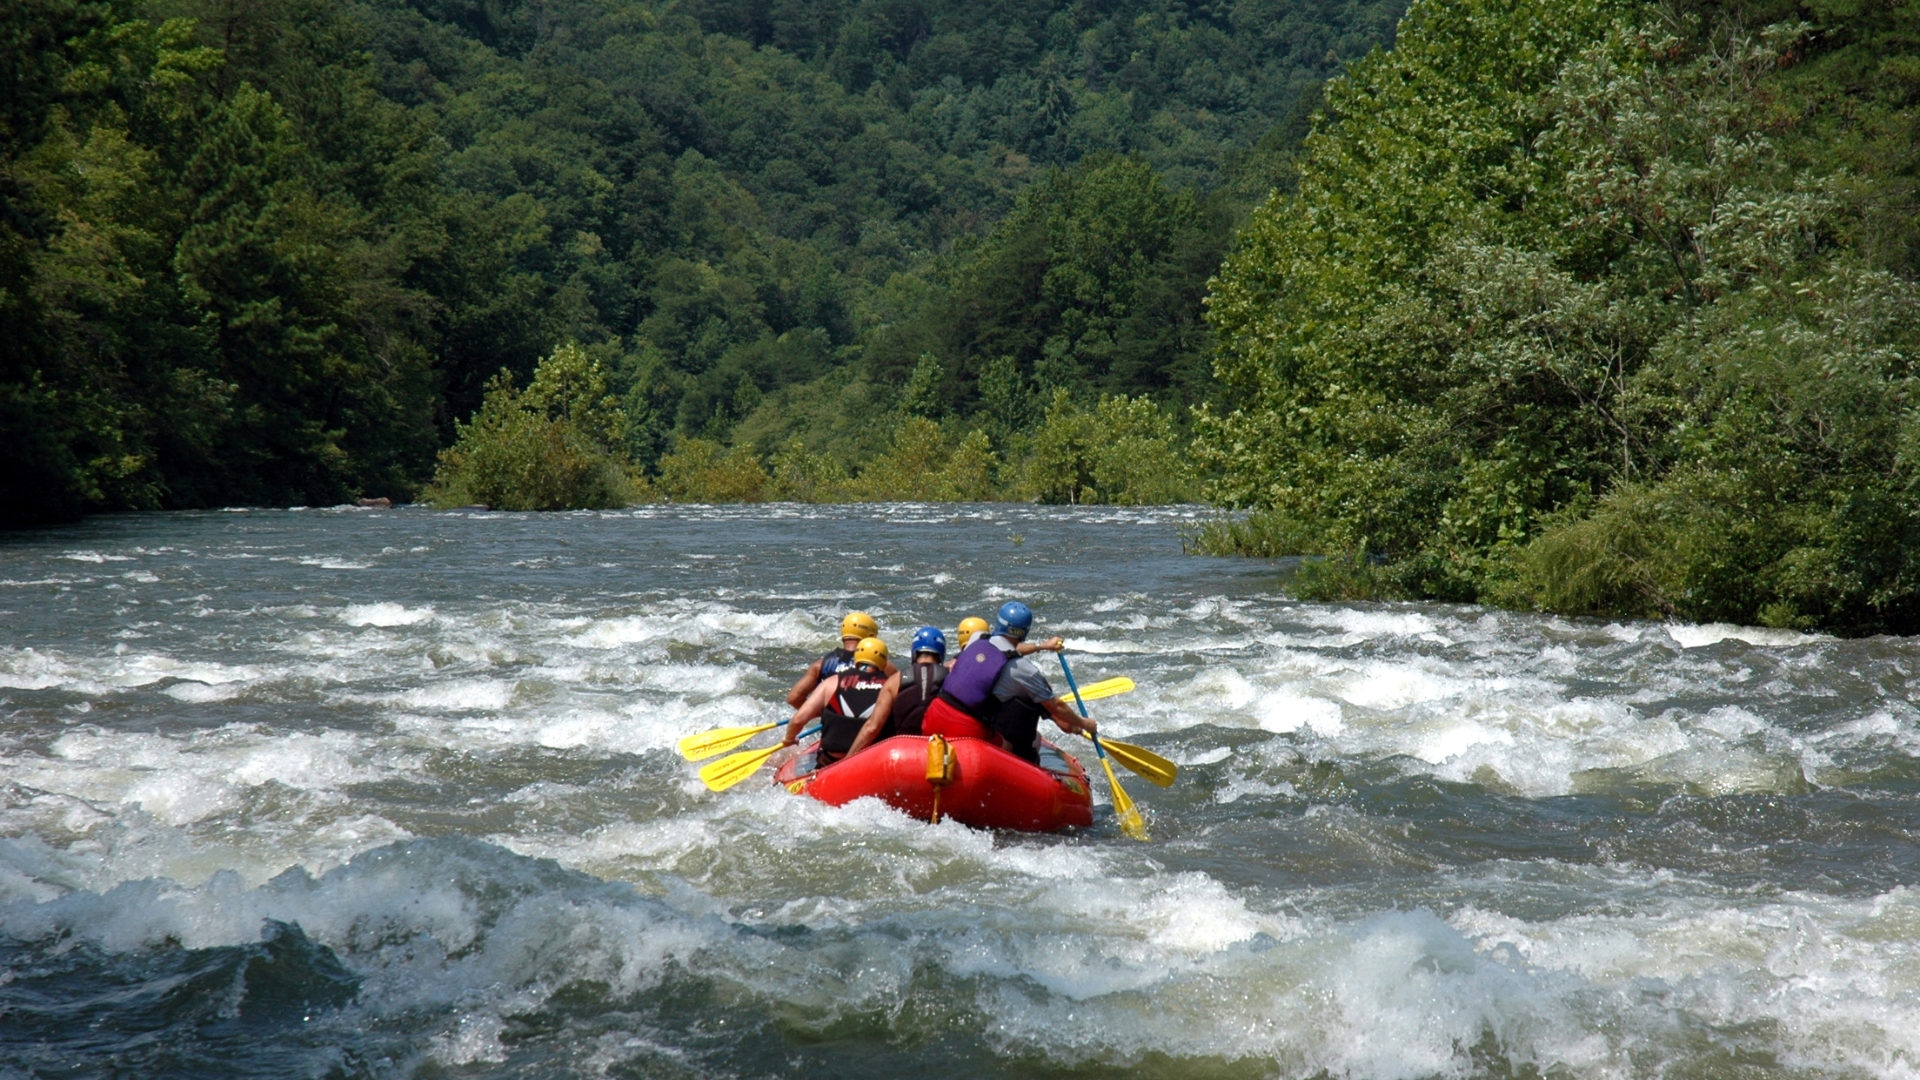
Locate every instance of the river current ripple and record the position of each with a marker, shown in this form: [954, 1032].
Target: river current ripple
[393, 793]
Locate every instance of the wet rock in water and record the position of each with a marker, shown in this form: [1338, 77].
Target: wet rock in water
[376, 504]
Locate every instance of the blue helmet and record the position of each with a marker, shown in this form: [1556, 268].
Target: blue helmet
[929, 639]
[1013, 620]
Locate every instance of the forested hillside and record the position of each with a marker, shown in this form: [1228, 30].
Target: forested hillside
[1595, 306]
[272, 251]
[1598, 306]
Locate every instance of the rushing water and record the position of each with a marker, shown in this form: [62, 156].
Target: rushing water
[364, 793]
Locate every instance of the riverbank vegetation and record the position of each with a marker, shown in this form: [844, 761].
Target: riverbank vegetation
[1600, 308]
[561, 444]
[557, 445]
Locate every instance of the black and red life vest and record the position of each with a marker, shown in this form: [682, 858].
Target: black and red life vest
[855, 693]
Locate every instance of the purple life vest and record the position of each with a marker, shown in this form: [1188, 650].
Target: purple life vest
[970, 683]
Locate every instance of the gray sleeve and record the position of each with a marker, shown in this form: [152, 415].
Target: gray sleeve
[1021, 679]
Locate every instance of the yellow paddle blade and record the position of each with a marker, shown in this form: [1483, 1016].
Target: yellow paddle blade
[1105, 688]
[728, 771]
[718, 741]
[1143, 762]
[1132, 825]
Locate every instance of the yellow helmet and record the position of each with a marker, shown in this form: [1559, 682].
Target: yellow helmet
[871, 651]
[859, 624]
[969, 627]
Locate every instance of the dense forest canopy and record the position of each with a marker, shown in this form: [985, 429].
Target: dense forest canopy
[272, 251]
[1600, 307]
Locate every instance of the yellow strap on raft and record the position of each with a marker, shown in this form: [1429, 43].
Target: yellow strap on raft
[940, 769]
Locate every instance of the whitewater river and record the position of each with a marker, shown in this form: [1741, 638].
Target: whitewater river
[362, 793]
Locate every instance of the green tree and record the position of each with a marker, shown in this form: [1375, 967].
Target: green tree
[93, 329]
[1570, 310]
[704, 471]
[1123, 451]
[1092, 282]
[554, 446]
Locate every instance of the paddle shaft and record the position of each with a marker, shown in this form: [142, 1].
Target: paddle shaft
[1067, 670]
[1130, 821]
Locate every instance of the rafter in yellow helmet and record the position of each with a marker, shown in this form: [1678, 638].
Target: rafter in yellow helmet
[871, 651]
[969, 627]
[859, 624]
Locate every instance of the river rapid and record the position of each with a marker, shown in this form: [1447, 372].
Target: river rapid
[342, 792]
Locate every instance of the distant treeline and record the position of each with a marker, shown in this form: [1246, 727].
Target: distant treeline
[560, 443]
[1594, 306]
[273, 251]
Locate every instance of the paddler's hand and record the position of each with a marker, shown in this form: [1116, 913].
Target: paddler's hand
[1054, 644]
[1088, 727]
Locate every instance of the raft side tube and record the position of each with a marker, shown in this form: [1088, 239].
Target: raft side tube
[988, 788]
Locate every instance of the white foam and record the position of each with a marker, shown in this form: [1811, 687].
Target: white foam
[1373, 623]
[1393, 685]
[27, 669]
[385, 613]
[705, 625]
[202, 693]
[181, 780]
[1282, 712]
[579, 729]
[30, 669]
[463, 695]
[1239, 787]
[1450, 741]
[1464, 724]
[1880, 728]
[1696, 635]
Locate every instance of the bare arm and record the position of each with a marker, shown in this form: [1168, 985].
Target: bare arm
[1028, 648]
[809, 709]
[797, 696]
[882, 709]
[1069, 720]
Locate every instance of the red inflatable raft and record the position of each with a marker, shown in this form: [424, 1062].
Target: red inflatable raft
[968, 780]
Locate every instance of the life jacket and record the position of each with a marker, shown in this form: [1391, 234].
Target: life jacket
[849, 709]
[835, 662]
[1017, 722]
[970, 684]
[918, 686]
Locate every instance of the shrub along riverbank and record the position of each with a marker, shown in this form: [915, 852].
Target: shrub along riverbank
[1594, 307]
[560, 444]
